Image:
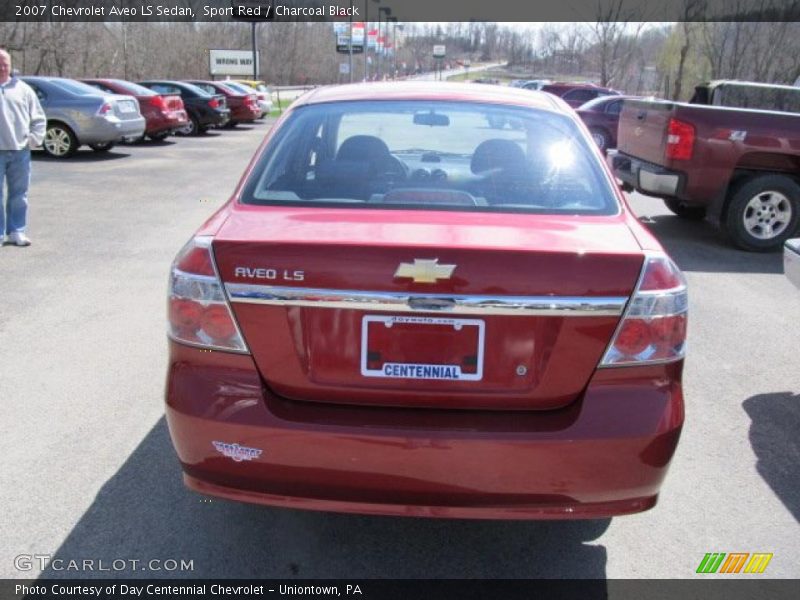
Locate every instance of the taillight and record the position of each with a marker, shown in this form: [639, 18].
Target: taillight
[198, 312]
[653, 328]
[213, 103]
[105, 109]
[158, 102]
[680, 140]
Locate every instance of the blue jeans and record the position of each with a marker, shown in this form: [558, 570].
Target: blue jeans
[15, 168]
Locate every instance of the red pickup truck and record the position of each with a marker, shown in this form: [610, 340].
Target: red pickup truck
[732, 153]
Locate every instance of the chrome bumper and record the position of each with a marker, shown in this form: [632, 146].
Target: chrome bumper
[643, 176]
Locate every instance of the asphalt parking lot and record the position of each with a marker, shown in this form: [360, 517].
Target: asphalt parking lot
[88, 470]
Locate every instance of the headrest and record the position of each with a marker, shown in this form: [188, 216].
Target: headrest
[497, 154]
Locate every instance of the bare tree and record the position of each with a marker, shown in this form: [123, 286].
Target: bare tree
[614, 36]
[692, 10]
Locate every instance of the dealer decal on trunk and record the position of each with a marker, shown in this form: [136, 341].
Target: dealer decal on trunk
[236, 452]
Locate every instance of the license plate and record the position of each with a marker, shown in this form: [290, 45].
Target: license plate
[127, 107]
[432, 348]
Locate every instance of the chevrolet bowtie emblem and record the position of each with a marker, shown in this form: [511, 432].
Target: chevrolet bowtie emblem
[425, 270]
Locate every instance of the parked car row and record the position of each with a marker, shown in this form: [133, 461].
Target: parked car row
[101, 112]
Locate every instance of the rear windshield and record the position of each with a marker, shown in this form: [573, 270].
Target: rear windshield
[76, 87]
[238, 87]
[431, 155]
[760, 97]
[231, 88]
[134, 88]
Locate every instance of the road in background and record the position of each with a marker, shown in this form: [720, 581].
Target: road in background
[88, 471]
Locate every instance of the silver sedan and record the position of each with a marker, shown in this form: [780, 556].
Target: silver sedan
[80, 114]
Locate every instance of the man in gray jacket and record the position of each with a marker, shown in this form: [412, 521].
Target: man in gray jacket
[22, 127]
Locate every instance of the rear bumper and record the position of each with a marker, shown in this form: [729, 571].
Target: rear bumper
[212, 117]
[100, 130]
[244, 114]
[604, 455]
[166, 121]
[645, 177]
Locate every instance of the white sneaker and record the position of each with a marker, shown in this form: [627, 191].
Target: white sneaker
[18, 239]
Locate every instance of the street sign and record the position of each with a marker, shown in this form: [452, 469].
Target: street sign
[343, 44]
[438, 51]
[231, 62]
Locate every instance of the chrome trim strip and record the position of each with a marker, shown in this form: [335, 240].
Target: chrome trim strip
[522, 306]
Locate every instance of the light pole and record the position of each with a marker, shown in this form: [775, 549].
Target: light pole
[351, 41]
[366, 37]
[255, 51]
[393, 20]
[383, 10]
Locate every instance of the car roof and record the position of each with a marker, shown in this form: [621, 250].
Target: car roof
[429, 90]
[581, 86]
[35, 78]
[720, 82]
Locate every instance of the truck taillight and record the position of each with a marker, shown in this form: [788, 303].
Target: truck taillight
[680, 140]
[653, 327]
[198, 311]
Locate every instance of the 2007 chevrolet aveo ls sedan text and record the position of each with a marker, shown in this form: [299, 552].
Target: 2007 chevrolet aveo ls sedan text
[405, 311]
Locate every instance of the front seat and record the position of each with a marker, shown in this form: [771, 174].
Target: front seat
[496, 156]
[369, 155]
[503, 170]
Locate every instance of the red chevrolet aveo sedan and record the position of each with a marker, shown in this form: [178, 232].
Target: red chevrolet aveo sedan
[404, 311]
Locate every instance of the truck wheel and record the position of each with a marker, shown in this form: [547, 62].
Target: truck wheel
[763, 212]
[686, 211]
[600, 138]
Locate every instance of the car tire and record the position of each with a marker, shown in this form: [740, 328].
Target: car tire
[686, 211]
[230, 125]
[191, 128]
[158, 137]
[601, 138]
[59, 141]
[763, 212]
[102, 146]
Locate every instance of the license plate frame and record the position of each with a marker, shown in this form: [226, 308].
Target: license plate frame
[422, 371]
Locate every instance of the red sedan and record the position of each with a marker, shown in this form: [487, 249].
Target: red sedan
[164, 114]
[601, 116]
[577, 94]
[244, 107]
[402, 311]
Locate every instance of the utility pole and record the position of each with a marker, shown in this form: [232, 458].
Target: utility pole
[351, 41]
[255, 53]
[366, 40]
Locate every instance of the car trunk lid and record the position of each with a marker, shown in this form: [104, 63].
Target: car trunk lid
[507, 311]
[125, 107]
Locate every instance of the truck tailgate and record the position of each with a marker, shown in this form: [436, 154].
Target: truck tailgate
[643, 129]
